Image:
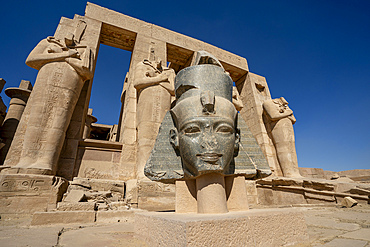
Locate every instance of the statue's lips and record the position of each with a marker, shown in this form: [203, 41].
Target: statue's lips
[209, 157]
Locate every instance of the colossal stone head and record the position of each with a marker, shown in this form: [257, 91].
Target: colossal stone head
[205, 119]
[200, 134]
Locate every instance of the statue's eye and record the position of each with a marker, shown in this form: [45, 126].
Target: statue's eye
[224, 129]
[192, 129]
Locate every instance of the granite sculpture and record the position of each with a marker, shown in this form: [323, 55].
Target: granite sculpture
[282, 132]
[204, 140]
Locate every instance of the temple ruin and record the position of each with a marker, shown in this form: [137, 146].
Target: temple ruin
[56, 157]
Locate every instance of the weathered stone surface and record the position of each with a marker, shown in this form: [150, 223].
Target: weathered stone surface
[115, 216]
[60, 217]
[61, 76]
[268, 227]
[34, 236]
[332, 223]
[186, 196]
[281, 120]
[76, 206]
[363, 234]
[75, 196]
[19, 97]
[348, 202]
[155, 85]
[155, 196]
[27, 193]
[338, 242]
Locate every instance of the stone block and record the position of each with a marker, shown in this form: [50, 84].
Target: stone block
[97, 155]
[27, 193]
[128, 153]
[107, 185]
[115, 216]
[257, 227]
[348, 202]
[186, 196]
[75, 196]
[83, 182]
[236, 193]
[77, 206]
[251, 187]
[131, 191]
[320, 198]
[63, 217]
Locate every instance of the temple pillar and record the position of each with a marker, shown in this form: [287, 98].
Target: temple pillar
[19, 97]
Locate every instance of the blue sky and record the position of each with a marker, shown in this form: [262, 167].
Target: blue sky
[314, 53]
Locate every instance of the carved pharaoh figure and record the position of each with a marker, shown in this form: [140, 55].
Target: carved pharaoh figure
[281, 124]
[64, 66]
[204, 138]
[155, 86]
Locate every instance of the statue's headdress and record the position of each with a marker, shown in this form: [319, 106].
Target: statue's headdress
[203, 89]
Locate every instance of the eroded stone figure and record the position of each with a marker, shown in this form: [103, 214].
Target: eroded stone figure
[204, 135]
[281, 123]
[236, 100]
[64, 65]
[155, 85]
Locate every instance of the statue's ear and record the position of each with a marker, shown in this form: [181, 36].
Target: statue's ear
[174, 138]
[237, 141]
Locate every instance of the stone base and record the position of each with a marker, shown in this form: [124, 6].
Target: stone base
[155, 196]
[295, 191]
[28, 193]
[82, 217]
[257, 227]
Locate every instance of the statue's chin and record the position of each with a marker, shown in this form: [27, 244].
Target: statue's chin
[205, 166]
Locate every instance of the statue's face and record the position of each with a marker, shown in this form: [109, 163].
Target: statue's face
[206, 144]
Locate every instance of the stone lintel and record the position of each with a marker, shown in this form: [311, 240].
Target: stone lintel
[257, 227]
[119, 30]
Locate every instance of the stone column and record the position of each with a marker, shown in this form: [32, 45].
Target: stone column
[89, 120]
[253, 92]
[135, 152]
[2, 105]
[211, 194]
[19, 97]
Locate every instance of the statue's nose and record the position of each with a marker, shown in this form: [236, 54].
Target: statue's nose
[209, 141]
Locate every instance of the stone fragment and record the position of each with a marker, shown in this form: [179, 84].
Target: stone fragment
[348, 202]
[335, 176]
[75, 196]
[96, 195]
[102, 206]
[107, 185]
[83, 182]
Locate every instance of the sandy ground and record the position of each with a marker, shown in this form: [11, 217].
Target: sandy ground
[327, 226]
